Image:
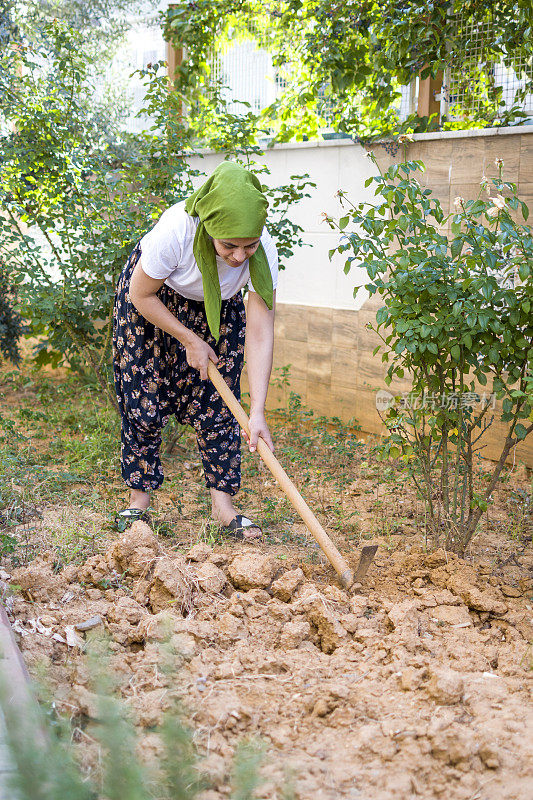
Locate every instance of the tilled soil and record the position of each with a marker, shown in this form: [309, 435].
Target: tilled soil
[419, 685]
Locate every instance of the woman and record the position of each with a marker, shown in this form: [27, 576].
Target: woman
[179, 305]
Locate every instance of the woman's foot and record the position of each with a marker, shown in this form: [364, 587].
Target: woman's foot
[140, 500]
[139, 505]
[224, 512]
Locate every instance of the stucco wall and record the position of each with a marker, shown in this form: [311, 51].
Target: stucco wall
[310, 279]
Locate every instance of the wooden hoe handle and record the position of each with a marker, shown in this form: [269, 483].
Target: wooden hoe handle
[315, 528]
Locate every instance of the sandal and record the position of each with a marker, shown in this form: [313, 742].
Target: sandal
[124, 518]
[237, 526]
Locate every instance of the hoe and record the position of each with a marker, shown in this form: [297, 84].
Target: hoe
[346, 575]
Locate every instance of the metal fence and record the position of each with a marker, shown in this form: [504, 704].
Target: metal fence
[474, 80]
[247, 73]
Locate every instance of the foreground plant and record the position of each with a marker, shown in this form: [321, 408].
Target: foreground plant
[45, 768]
[456, 317]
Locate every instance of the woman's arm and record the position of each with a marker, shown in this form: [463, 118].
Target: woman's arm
[259, 347]
[143, 294]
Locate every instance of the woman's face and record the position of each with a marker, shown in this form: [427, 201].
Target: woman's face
[235, 251]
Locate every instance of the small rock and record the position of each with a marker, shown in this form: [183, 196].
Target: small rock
[252, 570]
[88, 624]
[445, 686]
[199, 552]
[286, 585]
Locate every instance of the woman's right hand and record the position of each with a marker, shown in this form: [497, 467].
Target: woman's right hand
[199, 354]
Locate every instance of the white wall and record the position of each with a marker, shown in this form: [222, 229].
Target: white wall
[310, 278]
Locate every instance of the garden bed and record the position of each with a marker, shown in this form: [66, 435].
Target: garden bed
[419, 685]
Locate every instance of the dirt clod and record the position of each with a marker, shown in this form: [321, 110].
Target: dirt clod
[210, 578]
[445, 686]
[199, 552]
[173, 583]
[286, 585]
[416, 686]
[135, 550]
[38, 581]
[330, 631]
[293, 633]
[252, 570]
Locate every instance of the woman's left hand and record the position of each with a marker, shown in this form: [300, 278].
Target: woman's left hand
[258, 428]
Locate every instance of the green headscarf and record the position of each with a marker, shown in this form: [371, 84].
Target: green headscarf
[230, 204]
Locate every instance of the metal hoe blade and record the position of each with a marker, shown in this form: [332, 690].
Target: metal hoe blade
[367, 555]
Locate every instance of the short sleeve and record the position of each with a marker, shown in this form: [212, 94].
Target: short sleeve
[271, 253]
[161, 248]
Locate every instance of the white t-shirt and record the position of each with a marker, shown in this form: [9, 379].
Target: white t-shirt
[167, 254]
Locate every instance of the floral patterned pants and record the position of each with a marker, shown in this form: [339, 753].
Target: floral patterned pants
[154, 381]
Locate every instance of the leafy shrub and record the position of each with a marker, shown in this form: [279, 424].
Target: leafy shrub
[11, 325]
[456, 315]
[76, 195]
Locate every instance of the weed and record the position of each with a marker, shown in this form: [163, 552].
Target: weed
[245, 776]
[210, 533]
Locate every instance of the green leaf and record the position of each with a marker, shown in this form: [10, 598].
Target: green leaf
[455, 352]
[520, 431]
[343, 222]
[382, 315]
[455, 228]
[456, 247]
[524, 271]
